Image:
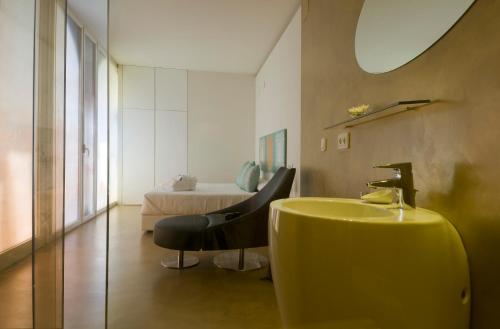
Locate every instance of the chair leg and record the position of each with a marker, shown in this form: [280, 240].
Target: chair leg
[180, 261]
[239, 260]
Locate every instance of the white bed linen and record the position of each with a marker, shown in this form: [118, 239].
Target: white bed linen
[163, 201]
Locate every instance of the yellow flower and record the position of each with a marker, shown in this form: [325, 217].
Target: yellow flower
[358, 110]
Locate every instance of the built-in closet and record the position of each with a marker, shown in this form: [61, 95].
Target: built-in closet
[154, 128]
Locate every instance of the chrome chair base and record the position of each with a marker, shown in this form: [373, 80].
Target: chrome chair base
[180, 261]
[239, 260]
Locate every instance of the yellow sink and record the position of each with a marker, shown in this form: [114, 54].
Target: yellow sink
[345, 264]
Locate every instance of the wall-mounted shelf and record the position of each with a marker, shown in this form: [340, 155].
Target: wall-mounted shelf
[381, 113]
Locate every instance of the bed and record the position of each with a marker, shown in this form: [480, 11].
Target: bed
[163, 202]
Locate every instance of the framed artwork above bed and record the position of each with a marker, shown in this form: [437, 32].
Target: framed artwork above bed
[272, 152]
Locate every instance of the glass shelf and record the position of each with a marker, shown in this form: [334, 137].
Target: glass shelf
[378, 113]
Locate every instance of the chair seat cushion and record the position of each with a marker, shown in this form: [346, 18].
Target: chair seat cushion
[181, 232]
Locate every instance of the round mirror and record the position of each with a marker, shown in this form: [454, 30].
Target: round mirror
[391, 33]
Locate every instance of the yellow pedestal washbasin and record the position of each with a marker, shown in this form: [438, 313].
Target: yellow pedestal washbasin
[345, 264]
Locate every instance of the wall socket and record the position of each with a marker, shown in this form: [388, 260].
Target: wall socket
[343, 141]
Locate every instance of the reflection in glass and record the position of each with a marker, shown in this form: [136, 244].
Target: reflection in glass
[102, 129]
[113, 132]
[89, 117]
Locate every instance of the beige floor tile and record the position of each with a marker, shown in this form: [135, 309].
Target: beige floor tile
[142, 294]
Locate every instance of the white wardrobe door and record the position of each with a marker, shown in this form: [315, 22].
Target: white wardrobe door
[138, 88]
[171, 145]
[138, 155]
[171, 89]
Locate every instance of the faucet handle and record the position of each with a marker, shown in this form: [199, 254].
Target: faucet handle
[401, 166]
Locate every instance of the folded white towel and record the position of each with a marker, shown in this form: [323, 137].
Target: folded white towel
[183, 183]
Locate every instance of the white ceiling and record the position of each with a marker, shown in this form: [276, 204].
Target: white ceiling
[208, 35]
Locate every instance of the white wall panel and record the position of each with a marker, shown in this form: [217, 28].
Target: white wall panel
[221, 124]
[171, 145]
[138, 88]
[138, 155]
[278, 86]
[171, 89]
[155, 143]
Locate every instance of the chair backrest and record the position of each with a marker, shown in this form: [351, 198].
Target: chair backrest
[250, 228]
[278, 187]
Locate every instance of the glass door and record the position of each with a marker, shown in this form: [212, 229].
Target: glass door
[74, 78]
[86, 124]
[81, 125]
[89, 131]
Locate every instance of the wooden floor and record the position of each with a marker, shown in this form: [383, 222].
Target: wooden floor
[142, 294]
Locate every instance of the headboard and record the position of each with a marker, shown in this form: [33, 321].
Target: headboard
[272, 152]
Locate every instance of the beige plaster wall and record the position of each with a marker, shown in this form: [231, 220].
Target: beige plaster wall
[453, 144]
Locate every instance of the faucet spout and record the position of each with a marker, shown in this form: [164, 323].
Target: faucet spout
[389, 183]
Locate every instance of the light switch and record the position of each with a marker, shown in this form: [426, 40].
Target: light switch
[323, 146]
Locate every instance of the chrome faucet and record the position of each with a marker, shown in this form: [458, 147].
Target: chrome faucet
[401, 182]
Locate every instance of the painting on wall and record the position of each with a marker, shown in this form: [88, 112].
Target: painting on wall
[272, 152]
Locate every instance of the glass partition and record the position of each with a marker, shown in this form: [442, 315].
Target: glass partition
[53, 164]
[48, 166]
[16, 107]
[16, 121]
[32, 93]
[86, 180]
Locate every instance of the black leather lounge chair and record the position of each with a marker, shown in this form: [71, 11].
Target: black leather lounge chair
[240, 226]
